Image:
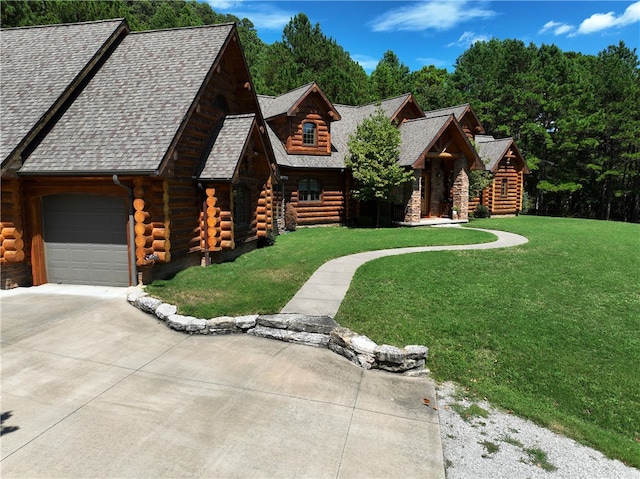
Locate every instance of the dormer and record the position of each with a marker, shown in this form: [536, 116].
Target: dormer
[302, 120]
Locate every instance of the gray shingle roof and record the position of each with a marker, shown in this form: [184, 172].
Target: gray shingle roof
[491, 151]
[351, 117]
[418, 135]
[38, 66]
[459, 112]
[129, 113]
[277, 105]
[231, 140]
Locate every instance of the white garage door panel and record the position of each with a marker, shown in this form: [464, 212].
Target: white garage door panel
[85, 239]
[88, 263]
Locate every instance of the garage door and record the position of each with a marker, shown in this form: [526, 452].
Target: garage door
[85, 239]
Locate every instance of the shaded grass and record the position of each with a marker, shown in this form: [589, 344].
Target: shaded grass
[264, 280]
[550, 329]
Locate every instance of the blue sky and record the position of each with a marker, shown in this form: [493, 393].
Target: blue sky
[435, 32]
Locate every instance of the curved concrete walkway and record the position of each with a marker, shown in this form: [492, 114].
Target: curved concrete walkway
[323, 293]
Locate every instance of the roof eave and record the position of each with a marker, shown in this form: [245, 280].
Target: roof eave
[89, 173]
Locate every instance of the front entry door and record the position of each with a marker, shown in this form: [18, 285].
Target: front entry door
[425, 192]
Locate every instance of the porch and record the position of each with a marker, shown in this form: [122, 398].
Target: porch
[432, 221]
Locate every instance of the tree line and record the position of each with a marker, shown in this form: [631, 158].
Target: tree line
[575, 117]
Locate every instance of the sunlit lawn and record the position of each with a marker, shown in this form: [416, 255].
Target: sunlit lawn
[550, 329]
[264, 280]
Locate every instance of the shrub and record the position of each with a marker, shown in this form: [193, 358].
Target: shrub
[269, 240]
[481, 211]
[290, 218]
[365, 222]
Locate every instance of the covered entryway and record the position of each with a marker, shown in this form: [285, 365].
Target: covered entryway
[425, 193]
[85, 238]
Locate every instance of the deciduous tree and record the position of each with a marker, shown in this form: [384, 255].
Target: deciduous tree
[374, 150]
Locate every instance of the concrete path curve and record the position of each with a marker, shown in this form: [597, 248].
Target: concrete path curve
[323, 293]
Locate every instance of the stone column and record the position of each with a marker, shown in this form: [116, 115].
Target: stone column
[460, 190]
[413, 208]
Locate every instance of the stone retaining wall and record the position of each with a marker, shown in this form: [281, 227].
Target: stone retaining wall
[318, 331]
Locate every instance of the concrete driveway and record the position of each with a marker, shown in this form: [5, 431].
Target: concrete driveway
[92, 387]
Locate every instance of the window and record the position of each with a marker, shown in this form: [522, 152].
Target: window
[309, 190]
[309, 134]
[241, 204]
[504, 188]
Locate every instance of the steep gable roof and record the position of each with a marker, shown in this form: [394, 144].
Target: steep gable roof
[130, 114]
[230, 143]
[418, 136]
[459, 111]
[286, 103]
[492, 151]
[41, 67]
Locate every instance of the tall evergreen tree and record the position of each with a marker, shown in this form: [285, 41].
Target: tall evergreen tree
[390, 77]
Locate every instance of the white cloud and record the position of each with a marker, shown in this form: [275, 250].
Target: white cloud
[436, 15]
[367, 62]
[468, 39]
[603, 21]
[557, 28]
[262, 15]
[275, 20]
[219, 5]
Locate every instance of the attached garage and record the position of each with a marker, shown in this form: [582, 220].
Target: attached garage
[85, 239]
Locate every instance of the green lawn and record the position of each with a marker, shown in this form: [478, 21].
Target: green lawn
[264, 280]
[550, 330]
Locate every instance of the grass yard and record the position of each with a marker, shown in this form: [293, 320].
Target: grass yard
[264, 280]
[549, 330]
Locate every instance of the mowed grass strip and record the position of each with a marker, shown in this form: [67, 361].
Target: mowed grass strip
[549, 330]
[264, 280]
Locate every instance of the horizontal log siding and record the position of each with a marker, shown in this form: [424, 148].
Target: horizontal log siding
[512, 202]
[295, 143]
[331, 208]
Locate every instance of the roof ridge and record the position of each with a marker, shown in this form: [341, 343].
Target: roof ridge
[380, 102]
[213, 25]
[448, 107]
[301, 87]
[48, 25]
[428, 117]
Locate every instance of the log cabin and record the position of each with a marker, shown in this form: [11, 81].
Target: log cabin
[501, 157]
[504, 160]
[128, 156]
[310, 139]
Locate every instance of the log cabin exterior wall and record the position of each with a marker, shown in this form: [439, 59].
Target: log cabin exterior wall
[332, 207]
[511, 202]
[308, 111]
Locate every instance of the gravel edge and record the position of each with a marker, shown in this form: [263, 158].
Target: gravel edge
[506, 446]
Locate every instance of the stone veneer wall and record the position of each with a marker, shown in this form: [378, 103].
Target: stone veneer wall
[460, 189]
[413, 210]
[318, 331]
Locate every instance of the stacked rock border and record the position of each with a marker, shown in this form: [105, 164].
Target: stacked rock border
[317, 331]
